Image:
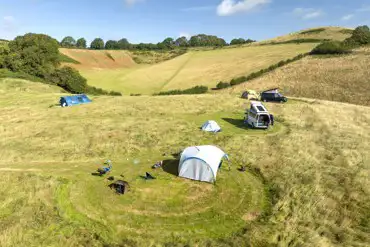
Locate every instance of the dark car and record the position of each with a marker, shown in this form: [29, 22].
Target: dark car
[275, 97]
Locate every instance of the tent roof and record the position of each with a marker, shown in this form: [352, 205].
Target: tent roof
[209, 154]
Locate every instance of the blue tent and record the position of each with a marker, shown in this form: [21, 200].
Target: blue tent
[74, 100]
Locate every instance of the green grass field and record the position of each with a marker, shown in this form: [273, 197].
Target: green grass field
[191, 69]
[314, 190]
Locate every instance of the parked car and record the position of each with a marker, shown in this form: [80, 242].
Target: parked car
[257, 116]
[273, 95]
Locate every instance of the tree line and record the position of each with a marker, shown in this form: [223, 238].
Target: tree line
[38, 56]
[200, 40]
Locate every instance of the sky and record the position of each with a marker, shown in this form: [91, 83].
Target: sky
[154, 20]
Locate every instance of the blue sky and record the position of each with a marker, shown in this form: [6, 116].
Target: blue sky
[153, 20]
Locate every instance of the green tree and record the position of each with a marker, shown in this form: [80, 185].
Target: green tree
[68, 42]
[34, 54]
[123, 44]
[168, 43]
[111, 45]
[81, 43]
[69, 79]
[97, 44]
[361, 35]
[181, 42]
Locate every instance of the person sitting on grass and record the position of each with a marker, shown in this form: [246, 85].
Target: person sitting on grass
[105, 169]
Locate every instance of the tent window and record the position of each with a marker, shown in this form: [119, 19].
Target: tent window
[80, 99]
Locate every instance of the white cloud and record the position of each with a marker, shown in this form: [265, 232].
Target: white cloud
[347, 17]
[132, 2]
[230, 7]
[308, 13]
[184, 34]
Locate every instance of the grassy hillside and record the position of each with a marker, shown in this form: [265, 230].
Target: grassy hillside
[338, 78]
[316, 180]
[191, 69]
[320, 33]
[98, 59]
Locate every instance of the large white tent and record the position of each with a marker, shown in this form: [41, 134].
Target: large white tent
[201, 163]
[211, 126]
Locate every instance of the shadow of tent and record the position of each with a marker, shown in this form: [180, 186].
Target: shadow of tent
[237, 122]
[171, 167]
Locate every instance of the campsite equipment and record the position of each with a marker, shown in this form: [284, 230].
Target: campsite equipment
[273, 95]
[251, 94]
[157, 165]
[74, 100]
[211, 126]
[257, 116]
[120, 186]
[105, 169]
[201, 163]
[148, 176]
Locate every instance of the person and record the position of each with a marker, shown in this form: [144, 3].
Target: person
[272, 119]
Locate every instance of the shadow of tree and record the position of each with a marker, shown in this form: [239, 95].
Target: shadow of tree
[171, 167]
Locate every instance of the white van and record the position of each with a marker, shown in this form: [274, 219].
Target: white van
[257, 116]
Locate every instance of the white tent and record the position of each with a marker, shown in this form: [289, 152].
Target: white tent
[211, 126]
[201, 163]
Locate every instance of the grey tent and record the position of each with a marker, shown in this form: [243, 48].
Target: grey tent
[201, 163]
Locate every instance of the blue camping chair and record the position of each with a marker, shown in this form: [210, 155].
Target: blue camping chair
[105, 169]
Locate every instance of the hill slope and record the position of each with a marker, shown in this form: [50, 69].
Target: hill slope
[340, 78]
[192, 69]
[101, 59]
[315, 191]
[320, 33]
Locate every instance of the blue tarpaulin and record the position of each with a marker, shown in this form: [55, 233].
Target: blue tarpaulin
[74, 100]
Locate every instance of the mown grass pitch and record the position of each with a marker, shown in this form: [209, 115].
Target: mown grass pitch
[193, 68]
[314, 165]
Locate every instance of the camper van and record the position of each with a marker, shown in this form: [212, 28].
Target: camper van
[257, 116]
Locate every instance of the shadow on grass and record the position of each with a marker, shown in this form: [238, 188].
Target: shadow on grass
[171, 167]
[237, 123]
[97, 174]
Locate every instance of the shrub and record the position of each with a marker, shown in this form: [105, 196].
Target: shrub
[193, 90]
[331, 47]
[222, 85]
[360, 36]
[69, 79]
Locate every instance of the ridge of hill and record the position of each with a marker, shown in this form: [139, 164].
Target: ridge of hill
[318, 33]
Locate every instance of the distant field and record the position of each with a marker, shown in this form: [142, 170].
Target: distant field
[193, 68]
[315, 166]
[338, 78]
[332, 33]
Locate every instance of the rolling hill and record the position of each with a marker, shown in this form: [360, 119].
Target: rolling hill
[335, 78]
[191, 69]
[319, 33]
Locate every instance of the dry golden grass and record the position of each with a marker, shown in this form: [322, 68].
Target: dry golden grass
[333, 33]
[99, 59]
[339, 78]
[194, 68]
[315, 165]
